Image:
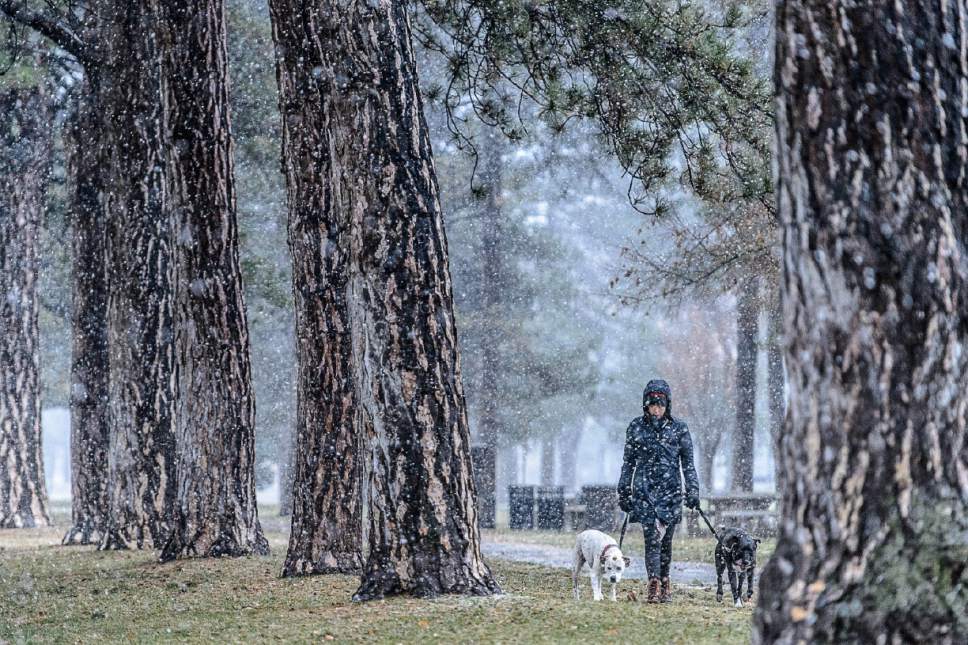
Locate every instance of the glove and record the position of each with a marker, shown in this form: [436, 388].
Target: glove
[692, 501]
[623, 503]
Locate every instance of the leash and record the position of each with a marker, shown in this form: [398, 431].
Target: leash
[711, 529]
[625, 523]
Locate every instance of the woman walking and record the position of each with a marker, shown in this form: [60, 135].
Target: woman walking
[658, 455]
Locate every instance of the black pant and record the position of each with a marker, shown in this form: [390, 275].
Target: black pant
[658, 550]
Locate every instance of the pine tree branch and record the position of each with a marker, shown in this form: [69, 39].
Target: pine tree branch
[48, 26]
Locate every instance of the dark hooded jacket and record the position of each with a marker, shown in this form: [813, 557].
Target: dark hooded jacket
[655, 450]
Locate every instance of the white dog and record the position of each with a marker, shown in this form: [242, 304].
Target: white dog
[604, 558]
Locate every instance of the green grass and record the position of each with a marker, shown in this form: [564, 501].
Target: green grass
[59, 594]
[683, 548]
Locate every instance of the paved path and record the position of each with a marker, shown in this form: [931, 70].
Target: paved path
[689, 573]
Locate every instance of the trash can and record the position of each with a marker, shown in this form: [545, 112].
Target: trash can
[521, 502]
[601, 506]
[551, 508]
[483, 459]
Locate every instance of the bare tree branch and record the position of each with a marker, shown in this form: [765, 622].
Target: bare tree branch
[48, 26]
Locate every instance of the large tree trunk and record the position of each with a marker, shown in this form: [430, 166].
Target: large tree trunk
[327, 520]
[747, 339]
[90, 430]
[871, 122]
[140, 270]
[25, 144]
[492, 276]
[422, 527]
[216, 510]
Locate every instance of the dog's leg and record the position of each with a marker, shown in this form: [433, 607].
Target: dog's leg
[737, 601]
[576, 573]
[613, 592]
[596, 585]
[719, 576]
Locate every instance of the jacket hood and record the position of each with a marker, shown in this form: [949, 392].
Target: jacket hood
[658, 385]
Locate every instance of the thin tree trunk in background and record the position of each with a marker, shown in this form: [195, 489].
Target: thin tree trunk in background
[521, 465]
[568, 446]
[548, 460]
[707, 449]
[747, 331]
[25, 147]
[216, 512]
[871, 122]
[421, 527]
[287, 477]
[327, 516]
[507, 467]
[90, 430]
[776, 380]
[140, 273]
[493, 279]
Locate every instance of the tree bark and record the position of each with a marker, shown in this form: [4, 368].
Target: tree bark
[25, 145]
[90, 429]
[140, 270]
[422, 525]
[216, 512]
[120, 61]
[747, 339]
[871, 122]
[327, 520]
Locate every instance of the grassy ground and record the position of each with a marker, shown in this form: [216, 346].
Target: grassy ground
[59, 594]
[683, 548]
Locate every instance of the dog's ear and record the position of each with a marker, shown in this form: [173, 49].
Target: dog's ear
[628, 560]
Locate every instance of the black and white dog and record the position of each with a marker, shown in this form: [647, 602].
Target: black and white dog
[736, 553]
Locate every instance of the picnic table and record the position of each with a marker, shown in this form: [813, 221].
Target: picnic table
[574, 514]
[753, 512]
[595, 507]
